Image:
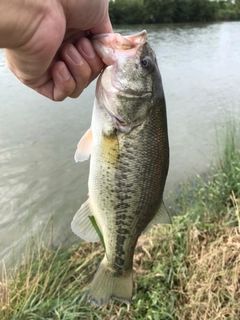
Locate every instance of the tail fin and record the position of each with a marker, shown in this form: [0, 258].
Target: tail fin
[107, 285]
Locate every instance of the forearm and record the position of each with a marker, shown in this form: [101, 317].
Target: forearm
[19, 20]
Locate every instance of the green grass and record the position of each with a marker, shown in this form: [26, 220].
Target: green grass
[189, 270]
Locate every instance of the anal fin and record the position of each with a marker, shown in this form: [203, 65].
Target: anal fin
[82, 226]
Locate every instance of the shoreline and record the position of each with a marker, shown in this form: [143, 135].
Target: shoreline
[189, 270]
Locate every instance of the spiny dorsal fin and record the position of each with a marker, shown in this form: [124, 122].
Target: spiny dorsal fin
[84, 147]
[161, 217]
[82, 226]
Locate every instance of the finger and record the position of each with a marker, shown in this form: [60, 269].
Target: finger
[60, 86]
[85, 48]
[74, 73]
[78, 67]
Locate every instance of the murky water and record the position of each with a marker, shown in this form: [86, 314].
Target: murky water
[39, 180]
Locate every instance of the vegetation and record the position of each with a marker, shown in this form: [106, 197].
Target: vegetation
[187, 271]
[165, 11]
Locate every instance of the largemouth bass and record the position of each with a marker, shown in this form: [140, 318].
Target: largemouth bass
[128, 143]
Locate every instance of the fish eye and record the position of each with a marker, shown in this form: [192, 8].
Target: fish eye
[147, 63]
[144, 62]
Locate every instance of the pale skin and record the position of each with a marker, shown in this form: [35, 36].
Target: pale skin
[46, 44]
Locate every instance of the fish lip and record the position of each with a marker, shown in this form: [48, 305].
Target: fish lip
[142, 35]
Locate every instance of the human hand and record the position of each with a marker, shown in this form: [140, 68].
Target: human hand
[50, 52]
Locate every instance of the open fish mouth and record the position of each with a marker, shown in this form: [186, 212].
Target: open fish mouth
[108, 44]
[119, 42]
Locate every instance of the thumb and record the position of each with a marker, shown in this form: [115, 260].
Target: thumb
[104, 26]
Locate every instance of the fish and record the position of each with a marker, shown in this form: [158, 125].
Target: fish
[129, 149]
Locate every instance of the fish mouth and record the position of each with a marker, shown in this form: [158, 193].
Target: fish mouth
[108, 45]
[117, 41]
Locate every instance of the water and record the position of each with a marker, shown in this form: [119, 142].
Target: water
[39, 180]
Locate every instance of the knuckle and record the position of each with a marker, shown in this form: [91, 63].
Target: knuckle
[75, 94]
[62, 93]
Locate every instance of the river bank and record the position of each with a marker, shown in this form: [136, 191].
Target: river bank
[173, 11]
[189, 270]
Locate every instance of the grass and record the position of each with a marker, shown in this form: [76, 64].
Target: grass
[187, 271]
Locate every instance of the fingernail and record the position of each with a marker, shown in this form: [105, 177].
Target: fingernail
[64, 72]
[87, 48]
[74, 55]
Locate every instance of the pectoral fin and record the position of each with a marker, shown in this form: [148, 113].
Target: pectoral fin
[84, 147]
[82, 226]
[161, 217]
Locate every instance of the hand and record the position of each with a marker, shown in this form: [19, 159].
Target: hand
[49, 51]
